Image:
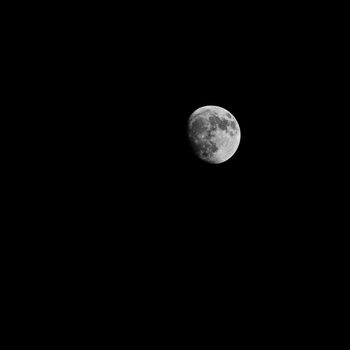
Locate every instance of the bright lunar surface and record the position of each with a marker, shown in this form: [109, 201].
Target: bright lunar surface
[214, 134]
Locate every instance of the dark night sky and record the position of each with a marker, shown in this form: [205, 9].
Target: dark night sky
[141, 172]
[134, 211]
[117, 225]
[132, 90]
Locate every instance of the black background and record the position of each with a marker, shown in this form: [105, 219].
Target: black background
[125, 89]
[130, 209]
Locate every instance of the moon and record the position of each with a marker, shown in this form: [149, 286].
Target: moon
[214, 134]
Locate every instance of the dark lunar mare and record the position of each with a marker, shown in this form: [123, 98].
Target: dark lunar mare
[217, 122]
[198, 126]
[204, 147]
[223, 124]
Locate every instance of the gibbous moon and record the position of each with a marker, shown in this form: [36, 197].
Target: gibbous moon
[214, 134]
